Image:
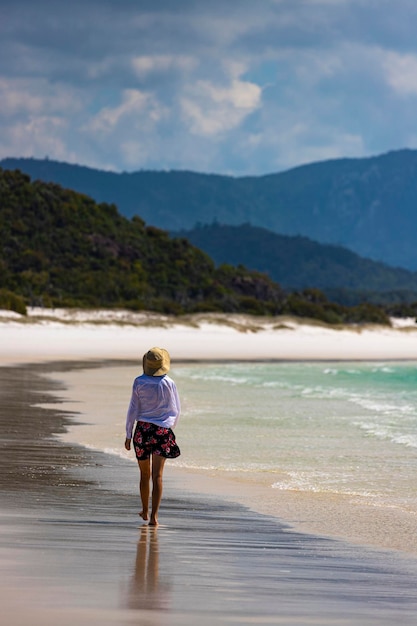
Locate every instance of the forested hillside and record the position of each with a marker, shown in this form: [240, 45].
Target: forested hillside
[366, 205]
[60, 248]
[299, 262]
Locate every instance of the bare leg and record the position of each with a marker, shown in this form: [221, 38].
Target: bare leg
[158, 463]
[145, 476]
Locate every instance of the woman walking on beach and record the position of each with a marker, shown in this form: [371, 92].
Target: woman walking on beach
[155, 407]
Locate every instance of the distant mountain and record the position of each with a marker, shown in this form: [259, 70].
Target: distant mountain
[60, 248]
[367, 205]
[298, 262]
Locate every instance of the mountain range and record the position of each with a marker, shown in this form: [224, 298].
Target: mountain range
[298, 263]
[367, 205]
[60, 248]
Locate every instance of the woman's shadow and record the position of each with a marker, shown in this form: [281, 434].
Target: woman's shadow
[146, 591]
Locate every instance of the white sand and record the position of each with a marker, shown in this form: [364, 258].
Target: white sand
[46, 335]
[52, 335]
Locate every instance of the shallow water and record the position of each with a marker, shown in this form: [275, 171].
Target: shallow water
[346, 430]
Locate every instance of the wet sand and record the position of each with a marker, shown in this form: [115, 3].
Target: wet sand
[100, 403]
[73, 550]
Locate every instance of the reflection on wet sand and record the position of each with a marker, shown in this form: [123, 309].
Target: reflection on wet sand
[146, 592]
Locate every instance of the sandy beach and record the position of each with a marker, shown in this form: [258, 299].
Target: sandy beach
[76, 334]
[72, 549]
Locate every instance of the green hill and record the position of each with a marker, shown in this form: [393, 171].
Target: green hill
[60, 248]
[299, 262]
[366, 205]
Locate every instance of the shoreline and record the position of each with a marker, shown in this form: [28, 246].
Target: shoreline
[72, 550]
[340, 516]
[105, 337]
[315, 514]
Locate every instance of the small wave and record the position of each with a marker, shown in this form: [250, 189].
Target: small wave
[378, 406]
[324, 393]
[386, 433]
[319, 483]
[378, 430]
[237, 468]
[119, 452]
[220, 378]
[410, 441]
[275, 384]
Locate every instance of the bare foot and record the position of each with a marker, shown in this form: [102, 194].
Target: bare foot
[144, 515]
[153, 522]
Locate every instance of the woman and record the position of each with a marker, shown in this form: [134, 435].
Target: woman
[155, 407]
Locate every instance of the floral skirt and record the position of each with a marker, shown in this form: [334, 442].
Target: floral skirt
[152, 439]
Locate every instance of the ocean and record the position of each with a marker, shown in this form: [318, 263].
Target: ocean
[302, 436]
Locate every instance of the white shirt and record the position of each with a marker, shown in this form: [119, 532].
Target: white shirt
[154, 399]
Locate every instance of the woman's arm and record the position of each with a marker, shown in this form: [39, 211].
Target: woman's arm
[177, 403]
[132, 416]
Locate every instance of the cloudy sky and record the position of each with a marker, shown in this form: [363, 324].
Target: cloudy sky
[227, 86]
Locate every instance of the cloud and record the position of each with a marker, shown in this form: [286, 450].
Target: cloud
[401, 72]
[36, 117]
[134, 107]
[146, 65]
[210, 109]
[125, 132]
[237, 87]
[43, 136]
[33, 97]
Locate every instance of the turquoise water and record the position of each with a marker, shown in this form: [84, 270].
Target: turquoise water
[342, 428]
[322, 433]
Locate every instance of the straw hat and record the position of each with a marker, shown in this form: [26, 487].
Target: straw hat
[156, 362]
